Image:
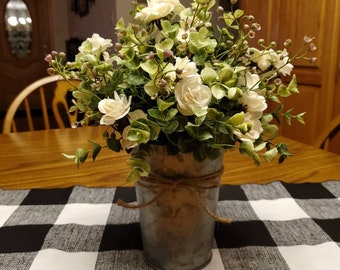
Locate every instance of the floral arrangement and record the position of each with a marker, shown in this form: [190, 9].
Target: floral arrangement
[175, 79]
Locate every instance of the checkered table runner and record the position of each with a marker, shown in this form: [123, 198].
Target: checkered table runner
[275, 226]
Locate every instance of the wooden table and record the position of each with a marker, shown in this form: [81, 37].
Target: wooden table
[34, 160]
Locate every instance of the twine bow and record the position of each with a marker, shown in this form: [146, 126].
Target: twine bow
[194, 184]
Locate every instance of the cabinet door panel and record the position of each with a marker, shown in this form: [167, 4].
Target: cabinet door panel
[319, 97]
[16, 72]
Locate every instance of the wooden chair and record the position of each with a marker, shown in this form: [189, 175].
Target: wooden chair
[328, 133]
[60, 107]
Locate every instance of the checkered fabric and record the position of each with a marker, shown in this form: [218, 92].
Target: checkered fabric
[275, 226]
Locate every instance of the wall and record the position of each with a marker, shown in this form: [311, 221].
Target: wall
[59, 24]
[101, 19]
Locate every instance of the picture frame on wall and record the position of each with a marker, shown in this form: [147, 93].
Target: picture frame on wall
[81, 7]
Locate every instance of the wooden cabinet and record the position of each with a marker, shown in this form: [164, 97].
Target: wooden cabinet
[17, 72]
[318, 82]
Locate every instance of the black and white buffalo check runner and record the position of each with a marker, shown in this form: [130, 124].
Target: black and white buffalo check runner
[275, 226]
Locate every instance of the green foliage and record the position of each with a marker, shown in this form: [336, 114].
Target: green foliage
[176, 79]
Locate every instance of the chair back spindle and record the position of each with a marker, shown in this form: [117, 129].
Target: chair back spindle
[61, 87]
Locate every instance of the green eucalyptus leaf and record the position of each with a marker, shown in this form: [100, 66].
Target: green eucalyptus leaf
[133, 175]
[267, 118]
[283, 149]
[155, 113]
[138, 135]
[234, 93]
[282, 158]
[199, 120]
[270, 129]
[154, 129]
[73, 108]
[300, 119]
[225, 128]
[271, 154]
[138, 168]
[166, 44]
[204, 135]
[171, 127]
[274, 98]
[68, 156]
[191, 129]
[247, 148]
[150, 66]
[214, 114]
[140, 124]
[163, 105]
[96, 148]
[82, 154]
[201, 42]
[218, 91]
[238, 13]
[200, 57]
[134, 79]
[237, 119]
[283, 91]
[139, 163]
[228, 18]
[151, 89]
[171, 114]
[225, 74]
[168, 30]
[113, 144]
[96, 152]
[292, 86]
[120, 24]
[208, 75]
[231, 83]
[260, 147]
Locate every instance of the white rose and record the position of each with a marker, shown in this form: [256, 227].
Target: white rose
[187, 67]
[264, 59]
[95, 45]
[177, 6]
[85, 57]
[251, 120]
[253, 101]
[114, 109]
[192, 96]
[157, 9]
[153, 12]
[283, 65]
[261, 58]
[249, 80]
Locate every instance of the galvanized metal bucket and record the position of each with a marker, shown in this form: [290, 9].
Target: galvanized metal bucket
[177, 231]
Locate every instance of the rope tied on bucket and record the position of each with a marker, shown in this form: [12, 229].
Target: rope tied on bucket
[194, 184]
